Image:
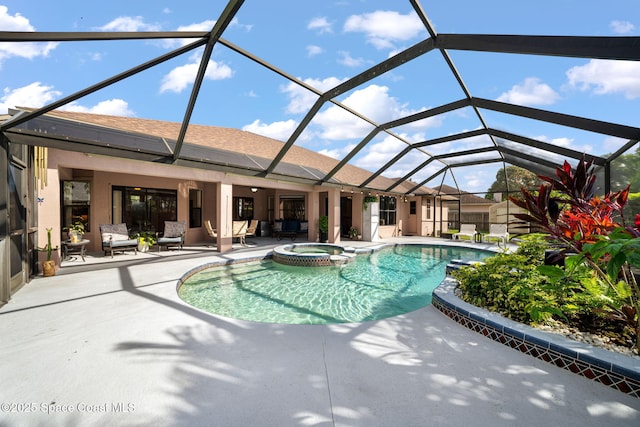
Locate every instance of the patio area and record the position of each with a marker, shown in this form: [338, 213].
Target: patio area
[108, 342]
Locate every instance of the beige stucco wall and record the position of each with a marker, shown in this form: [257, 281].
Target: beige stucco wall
[503, 212]
[105, 172]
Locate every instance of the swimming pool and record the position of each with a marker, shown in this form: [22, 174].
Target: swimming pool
[391, 281]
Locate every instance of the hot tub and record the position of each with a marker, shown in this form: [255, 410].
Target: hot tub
[313, 254]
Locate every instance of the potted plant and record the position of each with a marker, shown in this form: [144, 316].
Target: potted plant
[145, 240]
[323, 226]
[48, 266]
[354, 233]
[76, 231]
[367, 200]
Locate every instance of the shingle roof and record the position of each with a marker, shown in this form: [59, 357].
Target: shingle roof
[236, 141]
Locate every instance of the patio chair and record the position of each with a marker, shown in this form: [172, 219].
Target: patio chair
[498, 232]
[210, 230]
[239, 231]
[468, 230]
[173, 235]
[251, 229]
[115, 238]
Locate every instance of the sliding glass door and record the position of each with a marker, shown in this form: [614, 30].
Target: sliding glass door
[144, 209]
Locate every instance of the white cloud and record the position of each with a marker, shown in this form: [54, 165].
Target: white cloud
[621, 27]
[320, 24]
[531, 92]
[37, 95]
[348, 60]
[301, 99]
[206, 25]
[129, 23]
[612, 143]
[276, 130]
[607, 77]
[372, 102]
[565, 143]
[198, 26]
[338, 152]
[379, 153]
[33, 95]
[475, 179]
[313, 50]
[236, 23]
[181, 77]
[18, 22]
[384, 28]
[111, 107]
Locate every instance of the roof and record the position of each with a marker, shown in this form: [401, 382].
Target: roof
[221, 142]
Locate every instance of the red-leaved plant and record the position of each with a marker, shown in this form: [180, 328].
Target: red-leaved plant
[592, 227]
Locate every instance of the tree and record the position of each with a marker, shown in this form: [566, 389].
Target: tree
[517, 178]
[625, 170]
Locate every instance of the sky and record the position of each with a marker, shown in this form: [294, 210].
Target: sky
[323, 44]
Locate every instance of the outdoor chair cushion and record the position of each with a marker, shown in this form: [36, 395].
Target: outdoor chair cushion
[174, 234]
[116, 236]
[173, 229]
[114, 232]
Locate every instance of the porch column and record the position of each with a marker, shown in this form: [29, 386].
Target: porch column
[224, 218]
[313, 213]
[371, 222]
[334, 215]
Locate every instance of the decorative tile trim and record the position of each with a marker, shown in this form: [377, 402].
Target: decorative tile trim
[611, 369]
[333, 255]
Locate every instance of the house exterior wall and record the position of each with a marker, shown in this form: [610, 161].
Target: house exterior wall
[426, 220]
[503, 212]
[104, 172]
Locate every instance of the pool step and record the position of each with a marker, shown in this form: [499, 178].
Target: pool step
[342, 258]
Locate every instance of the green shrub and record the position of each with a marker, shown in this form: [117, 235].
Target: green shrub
[519, 286]
[533, 246]
[506, 283]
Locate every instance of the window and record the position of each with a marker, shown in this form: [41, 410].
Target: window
[388, 210]
[195, 208]
[243, 208]
[76, 201]
[144, 209]
[292, 207]
[428, 208]
[412, 207]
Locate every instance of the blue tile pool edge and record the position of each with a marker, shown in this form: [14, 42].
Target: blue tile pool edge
[609, 368]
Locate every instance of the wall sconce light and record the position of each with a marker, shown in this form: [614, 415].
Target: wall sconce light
[254, 189]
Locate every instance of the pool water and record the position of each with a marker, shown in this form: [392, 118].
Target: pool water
[392, 281]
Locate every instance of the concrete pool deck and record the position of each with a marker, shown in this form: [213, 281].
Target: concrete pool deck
[110, 343]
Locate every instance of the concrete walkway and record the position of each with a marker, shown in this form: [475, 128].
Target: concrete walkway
[111, 344]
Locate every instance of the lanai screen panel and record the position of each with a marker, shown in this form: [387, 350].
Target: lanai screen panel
[266, 68]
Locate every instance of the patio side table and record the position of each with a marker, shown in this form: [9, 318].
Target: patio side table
[69, 247]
